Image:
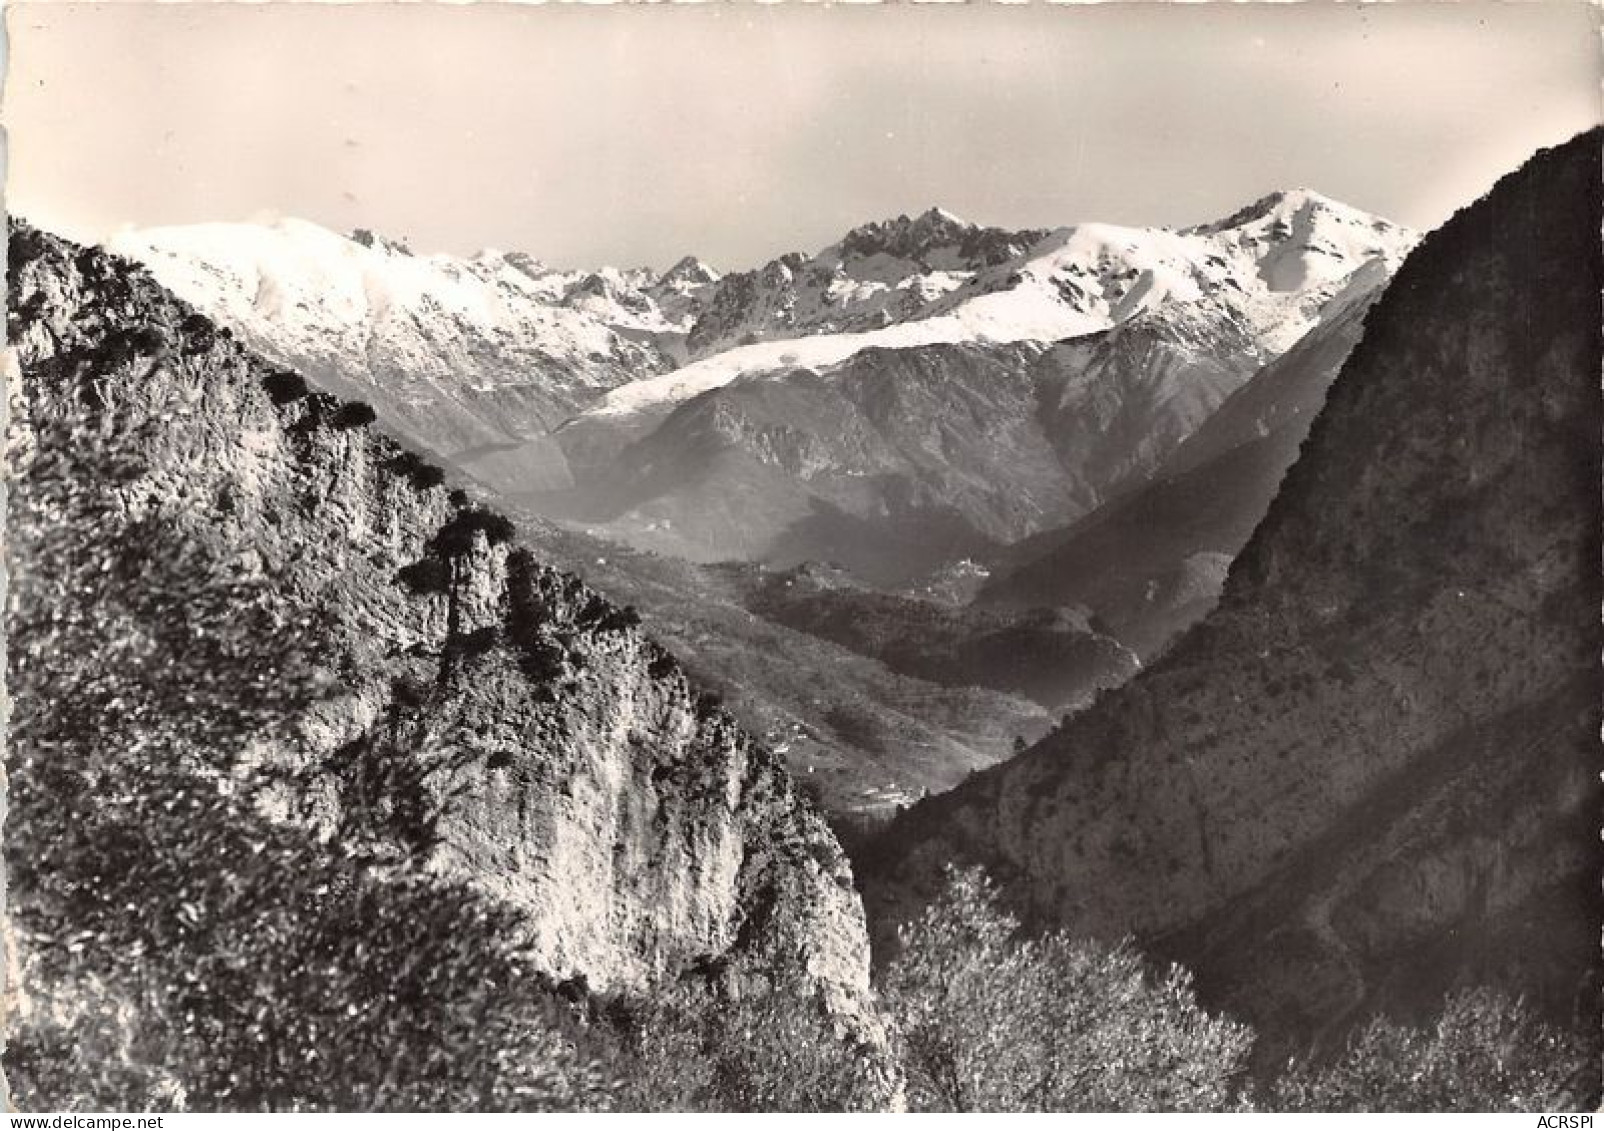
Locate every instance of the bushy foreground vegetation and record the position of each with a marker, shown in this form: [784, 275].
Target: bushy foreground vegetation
[196, 935]
[1485, 1052]
[988, 1020]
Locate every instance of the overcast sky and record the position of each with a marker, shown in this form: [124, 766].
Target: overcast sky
[587, 135]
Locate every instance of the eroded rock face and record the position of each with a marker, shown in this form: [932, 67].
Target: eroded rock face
[1370, 774]
[646, 835]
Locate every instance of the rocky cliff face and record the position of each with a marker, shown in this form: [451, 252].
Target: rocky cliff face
[591, 785]
[1371, 772]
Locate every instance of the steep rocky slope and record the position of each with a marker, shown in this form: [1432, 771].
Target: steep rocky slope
[1371, 772]
[1150, 563]
[590, 786]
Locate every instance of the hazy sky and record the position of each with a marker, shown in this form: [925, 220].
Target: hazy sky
[587, 135]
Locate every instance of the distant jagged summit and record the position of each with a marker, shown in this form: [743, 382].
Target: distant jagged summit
[879, 274]
[689, 272]
[935, 239]
[906, 238]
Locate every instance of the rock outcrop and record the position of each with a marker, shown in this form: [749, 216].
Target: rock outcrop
[644, 833]
[1371, 773]
[879, 273]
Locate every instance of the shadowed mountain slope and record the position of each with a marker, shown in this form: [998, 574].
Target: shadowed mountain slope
[1151, 563]
[1371, 773]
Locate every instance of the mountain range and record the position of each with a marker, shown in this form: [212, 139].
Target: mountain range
[923, 390]
[923, 396]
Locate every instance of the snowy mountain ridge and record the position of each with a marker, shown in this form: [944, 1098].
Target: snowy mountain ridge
[302, 277]
[491, 359]
[1273, 266]
[475, 358]
[306, 294]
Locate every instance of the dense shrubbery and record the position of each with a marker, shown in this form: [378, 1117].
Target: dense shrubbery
[987, 1020]
[426, 575]
[774, 1050]
[1486, 1052]
[354, 414]
[284, 386]
[421, 474]
[984, 1019]
[433, 572]
[455, 538]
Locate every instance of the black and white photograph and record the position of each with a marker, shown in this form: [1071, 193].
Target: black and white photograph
[803, 557]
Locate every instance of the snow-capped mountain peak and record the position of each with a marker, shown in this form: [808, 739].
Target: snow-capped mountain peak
[906, 238]
[471, 354]
[688, 273]
[1300, 238]
[1280, 206]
